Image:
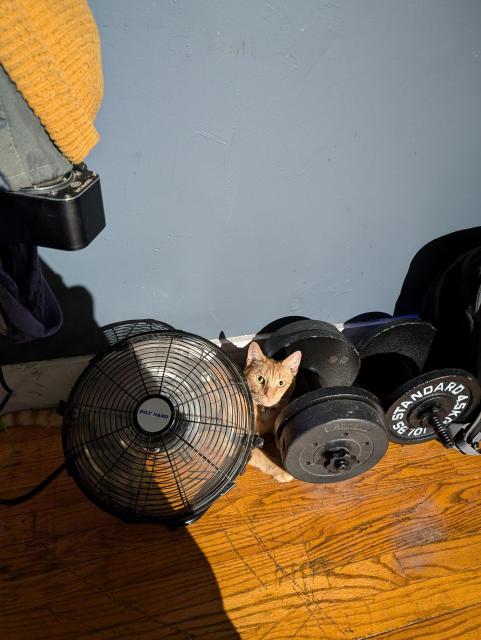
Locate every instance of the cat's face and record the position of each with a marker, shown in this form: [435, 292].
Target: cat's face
[268, 379]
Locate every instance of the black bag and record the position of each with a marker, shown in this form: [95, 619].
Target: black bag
[443, 286]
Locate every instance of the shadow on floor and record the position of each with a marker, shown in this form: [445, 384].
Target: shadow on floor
[157, 580]
[99, 573]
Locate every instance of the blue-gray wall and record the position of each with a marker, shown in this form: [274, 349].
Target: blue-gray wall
[260, 158]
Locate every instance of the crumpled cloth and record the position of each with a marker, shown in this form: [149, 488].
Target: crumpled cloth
[27, 304]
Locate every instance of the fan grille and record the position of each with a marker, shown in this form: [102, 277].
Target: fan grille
[158, 427]
[118, 331]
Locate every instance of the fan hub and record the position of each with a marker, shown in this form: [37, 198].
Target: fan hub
[154, 415]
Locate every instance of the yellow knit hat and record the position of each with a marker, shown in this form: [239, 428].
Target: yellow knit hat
[51, 50]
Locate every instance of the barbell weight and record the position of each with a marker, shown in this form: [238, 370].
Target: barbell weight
[275, 325]
[325, 350]
[392, 351]
[329, 435]
[423, 408]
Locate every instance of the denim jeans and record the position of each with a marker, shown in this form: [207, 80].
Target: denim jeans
[27, 154]
[28, 308]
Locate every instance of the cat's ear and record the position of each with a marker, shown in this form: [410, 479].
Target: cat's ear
[293, 361]
[254, 354]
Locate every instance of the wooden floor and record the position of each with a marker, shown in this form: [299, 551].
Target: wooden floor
[391, 555]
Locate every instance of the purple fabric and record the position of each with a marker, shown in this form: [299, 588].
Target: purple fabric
[27, 303]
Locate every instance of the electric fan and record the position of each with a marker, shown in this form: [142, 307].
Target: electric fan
[158, 427]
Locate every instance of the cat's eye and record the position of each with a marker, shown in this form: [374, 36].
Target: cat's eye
[281, 383]
[260, 379]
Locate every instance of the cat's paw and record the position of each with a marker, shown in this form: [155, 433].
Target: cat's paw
[282, 476]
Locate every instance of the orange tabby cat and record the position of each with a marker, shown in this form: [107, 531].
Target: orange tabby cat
[271, 384]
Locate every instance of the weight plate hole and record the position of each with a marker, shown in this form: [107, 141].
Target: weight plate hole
[345, 434]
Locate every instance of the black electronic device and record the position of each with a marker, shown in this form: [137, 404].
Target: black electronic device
[66, 213]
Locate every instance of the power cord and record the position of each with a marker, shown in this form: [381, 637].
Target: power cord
[33, 492]
[39, 487]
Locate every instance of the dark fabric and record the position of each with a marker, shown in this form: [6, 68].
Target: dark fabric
[428, 265]
[442, 286]
[451, 306]
[27, 304]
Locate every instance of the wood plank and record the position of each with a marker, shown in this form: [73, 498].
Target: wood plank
[80, 531]
[463, 623]
[390, 555]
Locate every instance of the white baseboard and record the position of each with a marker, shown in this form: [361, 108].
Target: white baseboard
[40, 385]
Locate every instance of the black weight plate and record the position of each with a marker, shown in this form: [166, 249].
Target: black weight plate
[318, 396]
[409, 337]
[368, 318]
[325, 350]
[383, 373]
[455, 394]
[306, 381]
[312, 431]
[275, 325]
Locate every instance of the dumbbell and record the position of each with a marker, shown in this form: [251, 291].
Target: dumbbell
[392, 351]
[330, 431]
[424, 407]
[419, 406]
[332, 434]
